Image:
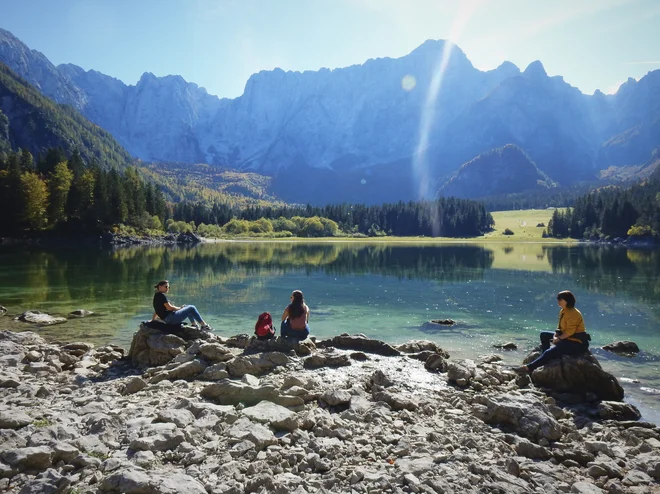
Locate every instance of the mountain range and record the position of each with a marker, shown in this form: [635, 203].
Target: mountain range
[352, 134]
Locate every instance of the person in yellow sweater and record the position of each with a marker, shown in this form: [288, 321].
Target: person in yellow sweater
[570, 338]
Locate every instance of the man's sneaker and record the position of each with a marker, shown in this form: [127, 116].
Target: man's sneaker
[206, 327]
[194, 325]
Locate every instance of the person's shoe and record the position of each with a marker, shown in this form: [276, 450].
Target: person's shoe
[206, 327]
[194, 325]
[522, 370]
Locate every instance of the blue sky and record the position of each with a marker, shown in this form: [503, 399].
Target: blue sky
[218, 44]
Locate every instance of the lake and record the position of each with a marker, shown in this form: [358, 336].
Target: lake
[389, 291]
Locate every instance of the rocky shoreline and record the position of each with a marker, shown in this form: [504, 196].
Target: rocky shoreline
[196, 413]
[43, 238]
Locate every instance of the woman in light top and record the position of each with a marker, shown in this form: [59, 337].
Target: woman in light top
[295, 320]
[570, 338]
[172, 314]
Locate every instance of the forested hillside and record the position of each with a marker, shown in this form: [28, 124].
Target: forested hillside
[205, 183]
[31, 121]
[612, 212]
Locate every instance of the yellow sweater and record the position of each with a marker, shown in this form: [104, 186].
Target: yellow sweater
[571, 322]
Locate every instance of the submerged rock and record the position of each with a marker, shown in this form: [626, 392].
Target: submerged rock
[576, 374]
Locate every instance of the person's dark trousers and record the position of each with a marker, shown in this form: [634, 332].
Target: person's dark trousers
[269, 336]
[287, 332]
[546, 339]
[564, 347]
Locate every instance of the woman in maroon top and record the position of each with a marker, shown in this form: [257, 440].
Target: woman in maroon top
[295, 318]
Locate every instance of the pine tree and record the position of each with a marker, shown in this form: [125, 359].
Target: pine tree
[76, 164]
[27, 161]
[53, 157]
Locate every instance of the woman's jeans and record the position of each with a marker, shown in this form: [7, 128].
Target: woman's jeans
[287, 332]
[564, 347]
[189, 312]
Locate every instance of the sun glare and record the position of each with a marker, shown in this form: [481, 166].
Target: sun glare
[420, 158]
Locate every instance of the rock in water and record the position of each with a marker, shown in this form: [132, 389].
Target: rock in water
[622, 347]
[509, 345]
[40, 318]
[3, 310]
[444, 322]
[577, 374]
[81, 313]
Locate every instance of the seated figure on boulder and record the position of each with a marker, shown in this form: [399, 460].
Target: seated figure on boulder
[295, 318]
[570, 338]
[171, 314]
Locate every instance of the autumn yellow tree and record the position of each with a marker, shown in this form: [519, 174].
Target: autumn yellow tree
[35, 200]
[59, 186]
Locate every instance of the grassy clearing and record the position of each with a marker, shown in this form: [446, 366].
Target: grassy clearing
[521, 222]
[523, 225]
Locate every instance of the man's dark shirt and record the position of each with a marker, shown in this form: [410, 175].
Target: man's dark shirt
[160, 299]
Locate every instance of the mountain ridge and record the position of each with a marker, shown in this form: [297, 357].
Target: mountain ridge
[506, 170]
[358, 127]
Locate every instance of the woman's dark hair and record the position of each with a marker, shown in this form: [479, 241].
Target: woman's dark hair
[297, 307]
[568, 296]
[161, 283]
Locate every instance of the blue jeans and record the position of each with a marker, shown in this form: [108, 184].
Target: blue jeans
[564, 347]
[287, 332]
[189, 312]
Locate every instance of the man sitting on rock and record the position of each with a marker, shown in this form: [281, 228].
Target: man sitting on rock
[570, 338]
[171, 314]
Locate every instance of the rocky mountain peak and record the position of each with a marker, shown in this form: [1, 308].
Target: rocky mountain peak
[35, 68]
[535, 70]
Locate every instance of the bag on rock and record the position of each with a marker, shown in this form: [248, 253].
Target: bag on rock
[264, 327]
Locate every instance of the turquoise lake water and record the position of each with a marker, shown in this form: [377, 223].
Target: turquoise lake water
[495, 292]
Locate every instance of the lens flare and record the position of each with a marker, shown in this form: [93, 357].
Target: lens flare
[420, 162]
[408, 82]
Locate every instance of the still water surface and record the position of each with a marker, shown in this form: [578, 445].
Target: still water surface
[495, 292]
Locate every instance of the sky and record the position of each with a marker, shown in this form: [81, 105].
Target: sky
[218, 44]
